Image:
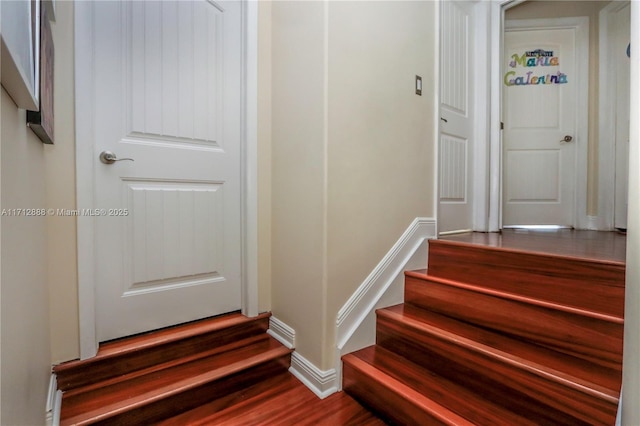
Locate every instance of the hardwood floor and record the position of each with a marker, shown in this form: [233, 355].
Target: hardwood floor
[281, 400]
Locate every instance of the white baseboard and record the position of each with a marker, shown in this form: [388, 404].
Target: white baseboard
[54, 403]
[322, 383]
[393, 265]
[355, 324]
[456, 232]
[597, 223]
[282, 332]
[383, 287]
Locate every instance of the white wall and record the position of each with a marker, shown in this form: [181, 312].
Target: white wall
[39, 286]
[631, 365]
[381, 143]
[299, 172]
[353, 151]
[25, 353]
[61, 193]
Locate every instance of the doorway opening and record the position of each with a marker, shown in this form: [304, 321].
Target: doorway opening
[545, 121]
[601, 189]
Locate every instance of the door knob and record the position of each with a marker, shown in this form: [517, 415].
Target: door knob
[567, 139]
[108, 157]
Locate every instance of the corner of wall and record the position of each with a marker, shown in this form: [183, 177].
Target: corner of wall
[321, 382]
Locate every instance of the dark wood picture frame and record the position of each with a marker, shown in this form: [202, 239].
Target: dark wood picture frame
[41, 122]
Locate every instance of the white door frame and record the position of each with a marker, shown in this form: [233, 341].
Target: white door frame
[85, 164]
[488, 165]
[607, 107]
[495, 166]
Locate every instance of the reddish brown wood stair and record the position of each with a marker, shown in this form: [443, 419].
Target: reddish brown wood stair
[154, 377]
[496, 336]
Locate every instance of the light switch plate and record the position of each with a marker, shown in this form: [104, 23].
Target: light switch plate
[418, 85]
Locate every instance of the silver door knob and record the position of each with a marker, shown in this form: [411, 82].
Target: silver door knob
[108, 157]
[567, 139]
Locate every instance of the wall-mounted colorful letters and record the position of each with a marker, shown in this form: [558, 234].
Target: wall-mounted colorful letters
[540, 59]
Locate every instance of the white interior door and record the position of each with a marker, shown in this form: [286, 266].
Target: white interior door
[621, 29]
[456, 116]
[167, 78]
[542, 134]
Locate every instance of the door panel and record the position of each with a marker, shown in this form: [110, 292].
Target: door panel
[456, 112]
[539, 110]
[168, 92]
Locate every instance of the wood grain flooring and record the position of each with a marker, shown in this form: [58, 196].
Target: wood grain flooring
[563, 278]
[217, 371]
[125, 356]
[517, 328]
[278, 401]
[593, 245]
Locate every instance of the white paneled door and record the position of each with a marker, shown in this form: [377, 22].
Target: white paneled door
[167, 78]
[541, 138]
[456, 116]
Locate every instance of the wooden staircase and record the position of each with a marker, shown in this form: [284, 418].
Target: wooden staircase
[495, 336]
[151, 378]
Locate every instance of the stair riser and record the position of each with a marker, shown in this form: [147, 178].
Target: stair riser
[588, 338]
[487, 375]
[100, 369]
[596, 286]
[387, 404]
[388, 367]
[166, 407]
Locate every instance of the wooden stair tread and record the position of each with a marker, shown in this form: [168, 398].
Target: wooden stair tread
[509, 294]
[446, 393]
[594, 338]
[578, 374]
[124, 356]
[104, 402]
[178, 332]
[160, 368]
[281, 399]
[393, 398]
[568, 242]
[548, 277]
[527, 252]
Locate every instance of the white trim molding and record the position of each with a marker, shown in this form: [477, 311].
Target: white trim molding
[250, 159]
[355, 323]
[365, 298]
[85, 176]
[607, 117]
[322, 383]
[54, 403]
[282, 332]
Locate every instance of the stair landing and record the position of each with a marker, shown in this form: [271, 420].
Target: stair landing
[588, 245]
